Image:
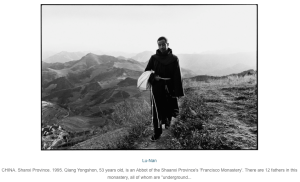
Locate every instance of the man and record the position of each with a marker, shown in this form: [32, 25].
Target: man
[166, 85]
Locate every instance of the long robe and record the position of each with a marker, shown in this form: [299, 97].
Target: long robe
[165, 92]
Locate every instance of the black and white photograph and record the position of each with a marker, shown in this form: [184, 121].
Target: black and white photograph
[162, 77]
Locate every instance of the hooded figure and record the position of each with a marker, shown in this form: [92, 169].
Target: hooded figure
[166, 85]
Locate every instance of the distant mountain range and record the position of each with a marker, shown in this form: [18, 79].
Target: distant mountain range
[115, 53]
[214, 64]
[217, 64]
[47, 54]
[64, 56]
[207, 77]
[143, 56]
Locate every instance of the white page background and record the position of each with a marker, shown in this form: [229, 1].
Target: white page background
[278, 69]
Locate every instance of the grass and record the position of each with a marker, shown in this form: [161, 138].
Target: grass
[129, 122]
[136, 117]
[230, 80]
[217, 114]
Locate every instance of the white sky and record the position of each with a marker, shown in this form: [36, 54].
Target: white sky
[133, 29]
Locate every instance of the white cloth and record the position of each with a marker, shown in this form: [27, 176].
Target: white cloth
[143, 83]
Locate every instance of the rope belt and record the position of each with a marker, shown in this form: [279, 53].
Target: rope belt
[163, 78]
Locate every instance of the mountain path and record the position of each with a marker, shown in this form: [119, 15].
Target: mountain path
[160, 144]
[146, 144]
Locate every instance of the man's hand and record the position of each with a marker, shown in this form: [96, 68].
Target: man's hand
[157, 78]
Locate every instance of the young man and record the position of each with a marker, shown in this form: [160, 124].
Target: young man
[166, 86]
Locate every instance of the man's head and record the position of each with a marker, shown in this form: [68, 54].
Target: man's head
[163, 44]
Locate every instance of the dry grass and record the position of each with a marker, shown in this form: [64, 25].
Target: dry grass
[228, 81]
[135, 116]
[130, 121]
[218, 114]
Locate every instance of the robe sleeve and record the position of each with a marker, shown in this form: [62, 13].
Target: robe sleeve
[177, 81]
[149, 66]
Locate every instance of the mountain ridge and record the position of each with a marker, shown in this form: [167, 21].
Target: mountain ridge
[64, 56]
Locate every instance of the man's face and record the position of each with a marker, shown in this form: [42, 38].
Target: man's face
[162, 46]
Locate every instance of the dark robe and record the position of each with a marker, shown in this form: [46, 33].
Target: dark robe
[165, 92]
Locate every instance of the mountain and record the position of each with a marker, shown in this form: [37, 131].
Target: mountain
[45, 65]
[48, 76]
[211, 63]
[52, 112]
[229, 70]
[78, 83]
[129, 64]
[95, 86]
[85, 69]
[244, 73]
[116, 74]
[58, 66]
[143, 56]
[64, 56]
[217, 64]
[186, 73]
[47, 54]
[61, 83]
[128, 82]
[114, 53]
[91, 59]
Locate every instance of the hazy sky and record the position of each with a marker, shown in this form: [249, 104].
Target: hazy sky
[135, 28]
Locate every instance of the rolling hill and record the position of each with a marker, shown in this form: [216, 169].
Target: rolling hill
[207, 77]
[143, 56]
[89, 83]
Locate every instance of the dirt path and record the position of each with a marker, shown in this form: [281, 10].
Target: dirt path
[145, 142]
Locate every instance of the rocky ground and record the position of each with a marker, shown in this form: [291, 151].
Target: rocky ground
[53, 136]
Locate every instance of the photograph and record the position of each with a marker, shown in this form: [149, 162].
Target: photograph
[143, 77]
